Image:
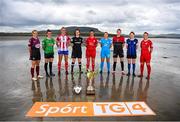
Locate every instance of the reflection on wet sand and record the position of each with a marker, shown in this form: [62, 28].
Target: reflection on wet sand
[64, 91]
[76, 82]
[108, 88]
[129, 93]
[104, 88]
[142, 93]
[50, 91]
[116, 91]
[37, 94]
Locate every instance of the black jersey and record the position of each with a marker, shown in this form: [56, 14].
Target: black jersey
[77, 41]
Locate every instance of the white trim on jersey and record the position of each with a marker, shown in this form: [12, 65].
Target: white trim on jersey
[62, 46]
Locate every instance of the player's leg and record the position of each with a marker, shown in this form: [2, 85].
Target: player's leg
[45, 66]
[33, 64]
[60, 56]
[134, 66]
[66, 62]
[87, 60]
[72, 65]
[108, 60]
[114, 61]
[108, 64]
[79, 63]
[102, 64]
[38, 68]
[102, 61]
[148, 70]
[73, 56]
[122, 64]
[148, 59]
[50, 65]
[87, 63]
[93, 63]
[93, 57]
[129, 66]
[141, 65]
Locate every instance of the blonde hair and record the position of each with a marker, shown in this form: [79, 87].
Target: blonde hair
[62, 29]
[34, 31]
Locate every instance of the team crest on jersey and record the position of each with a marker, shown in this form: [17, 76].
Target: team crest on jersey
[37, 45]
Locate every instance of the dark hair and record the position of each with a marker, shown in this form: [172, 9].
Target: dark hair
[132, 33]
[91, 31]
[48, 30]
[146, 33]
[118, 29]
[77, 29]
[106, 32]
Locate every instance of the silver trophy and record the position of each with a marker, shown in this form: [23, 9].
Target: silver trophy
[90, 84]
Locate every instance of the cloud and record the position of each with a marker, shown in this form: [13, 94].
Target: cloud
[155, 16]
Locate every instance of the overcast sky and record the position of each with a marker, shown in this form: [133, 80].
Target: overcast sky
[154, 16]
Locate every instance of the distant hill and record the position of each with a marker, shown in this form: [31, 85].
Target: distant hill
[167, 36]
[70, 30]
[84, 32]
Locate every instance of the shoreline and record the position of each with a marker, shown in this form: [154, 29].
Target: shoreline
[22, 38]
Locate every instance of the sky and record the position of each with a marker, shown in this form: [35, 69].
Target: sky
[153, 16]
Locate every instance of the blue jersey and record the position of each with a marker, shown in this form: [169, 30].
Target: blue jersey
[105, 44]
[131, 47]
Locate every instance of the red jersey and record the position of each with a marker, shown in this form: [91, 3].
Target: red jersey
[118, 39]
[145, 46]
[91, 43]
[63, 42]
[118, 42]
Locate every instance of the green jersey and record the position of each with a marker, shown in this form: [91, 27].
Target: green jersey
[48, 45]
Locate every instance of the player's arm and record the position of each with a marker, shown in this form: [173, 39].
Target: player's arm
[72, 42]
[54, 42]
[96, 42]
[113, 40]
[43, 44]
[111, 44]
[99, 43]
[151, 47]
[127, 43]
[83, 42]
[123, 43]
[57, 41]
[29, 47]
[68, 41]
[136, 44]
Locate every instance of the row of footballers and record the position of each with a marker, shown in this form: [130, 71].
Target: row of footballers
[63, 41]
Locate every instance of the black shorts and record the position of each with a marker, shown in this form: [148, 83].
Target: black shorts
[49, 55]
[117, 53]
[76, 54]
[131, 56]
[35, 56]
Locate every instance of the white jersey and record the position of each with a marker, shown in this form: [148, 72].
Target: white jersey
[62, 42]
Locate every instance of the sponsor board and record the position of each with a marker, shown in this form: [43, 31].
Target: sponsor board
[89, 109]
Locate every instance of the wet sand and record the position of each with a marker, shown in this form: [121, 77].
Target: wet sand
[18, 92]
